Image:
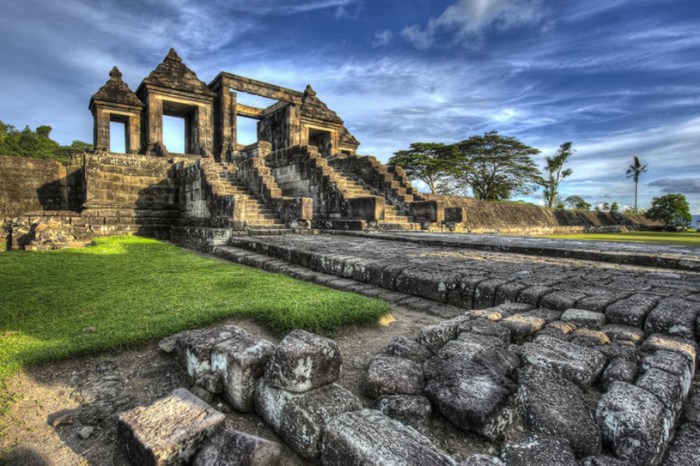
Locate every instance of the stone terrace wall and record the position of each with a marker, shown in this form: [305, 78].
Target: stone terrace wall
[28, 184]
[526, 219]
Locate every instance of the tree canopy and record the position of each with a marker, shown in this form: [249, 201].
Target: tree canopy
[429, 162]
[555, 173]
[672, 209]
[577, 202]
[38, 143]
[500, 166]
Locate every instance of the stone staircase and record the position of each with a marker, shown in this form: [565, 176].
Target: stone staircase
[261, 219]
[394, 218]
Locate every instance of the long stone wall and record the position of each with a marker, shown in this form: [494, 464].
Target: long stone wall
[28, 184]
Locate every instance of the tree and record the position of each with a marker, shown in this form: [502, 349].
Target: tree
[556, 173]
[500, 166]
[605, 206]
[577, 202]
[38, 143]
[634, 171]
[672, 209]
[615, 207]
[429, 162]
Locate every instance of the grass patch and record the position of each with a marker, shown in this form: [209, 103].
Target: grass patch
[651, 237]
[131, 290]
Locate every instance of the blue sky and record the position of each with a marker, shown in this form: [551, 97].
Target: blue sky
[616, 77]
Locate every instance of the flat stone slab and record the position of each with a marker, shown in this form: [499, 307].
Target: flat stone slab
[300, 418]
[303, 361]
[168, 431]
[369, 438]
[577, 363]
[390, 375]
[584, 318]
[231, 447]
[240, 361]
[634, 423]
[471, 396]
[470, 345]
[555, 406]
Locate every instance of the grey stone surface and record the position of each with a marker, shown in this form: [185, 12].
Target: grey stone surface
[303, 361]
[539, 450]
[412, 410]
[686, 348]
[195, 347]
[234, 448]
[300, 418]
[589, 337]
[469, 345]
[624, 332]
[664, 386]
[435, 336]
[673, 316]
[240, 361]
[584, 318]
[631, 311]
[522, 327]
[600, 460]
[404, 347]
[561, 300]
[555, 406]
[576, 363]
[548, 315]
[634, 424]
[619, 370]
[369, 438]
[620, 350]
[482, 460]
[390, 375]
[486, 328]
[167, 431]
[685, 448]
[499, 360]
[471, 396]
[673, 363]
[691, 412]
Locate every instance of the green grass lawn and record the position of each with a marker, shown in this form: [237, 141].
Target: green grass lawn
[132, 290]
[652, 237]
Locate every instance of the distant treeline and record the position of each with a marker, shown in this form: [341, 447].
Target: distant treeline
[36, 143]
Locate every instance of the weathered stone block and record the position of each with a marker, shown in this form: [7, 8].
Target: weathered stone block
[369, 438]
[522, 327]
[631, 311]
[624, 333]
[685, 449]
[233, 448]
[600, 460]
[435, 336]
[485, 293]
[634, 423]
[687, 348]
[539, 450]
[412, 410]
[469, 345]
[403, 347]
[583, 318]
[303, 361]
[196, 346]
[168, 431]
[499, 360]
[619, 370]
[471, 396]
[673, 363]
[590, 338]
[300, 418]
[482, 460]
[389, 375]
[674, 317]
[665, 386]
[576, 363]
[241, 361]
[555, 406]
[487, 328]
[561, 300]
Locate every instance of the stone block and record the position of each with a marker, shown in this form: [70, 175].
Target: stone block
[469, 345]
[300, 418]
[303, 361]
[403, 347]
[487, 328]
[168, 431]
[233, 448]
[482, 460]
[485, 293]
[533, 295]
[600, 460]
[522, 327]
[195, 346]
[241, 362]
[685, 449]
[561, 300]
[590, 338]
[548, 315]
[414, 411]
[369, 438]
[674, 317]
[576, 363]
[685, 347]
[539, 450]
[435, 336]
[471, 396]
[665, 386]
[624, 333]
[583, 318]
[619, 370]
[673, 363]
[499, 360]
[555, 406]
[631, 311]
[634, 423]
[621, 349]
[389, 375]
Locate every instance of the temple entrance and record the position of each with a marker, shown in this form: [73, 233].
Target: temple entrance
[180, 127]
[118, 135]
[322, 140]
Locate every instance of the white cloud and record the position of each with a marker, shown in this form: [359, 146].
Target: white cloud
[467, 19]
[382, 38]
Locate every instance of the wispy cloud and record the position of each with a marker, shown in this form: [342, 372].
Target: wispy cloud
[676, 185]
[466, 20]
[382, 38]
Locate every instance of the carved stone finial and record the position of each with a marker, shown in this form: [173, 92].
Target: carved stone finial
[115, 74]
[309, 91]
[172, 55]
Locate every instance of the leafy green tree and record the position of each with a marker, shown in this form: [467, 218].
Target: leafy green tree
[500, 166]
[430, 162]
[577, 202]
[615, 207]
[605, 207]
[672, 209]
[38, 143]
[634, 171]
[555, 173]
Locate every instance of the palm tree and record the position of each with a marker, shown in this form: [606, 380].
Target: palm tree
[634, 170]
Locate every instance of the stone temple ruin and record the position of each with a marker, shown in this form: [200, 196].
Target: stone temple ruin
[540, 353]
[302, 173]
